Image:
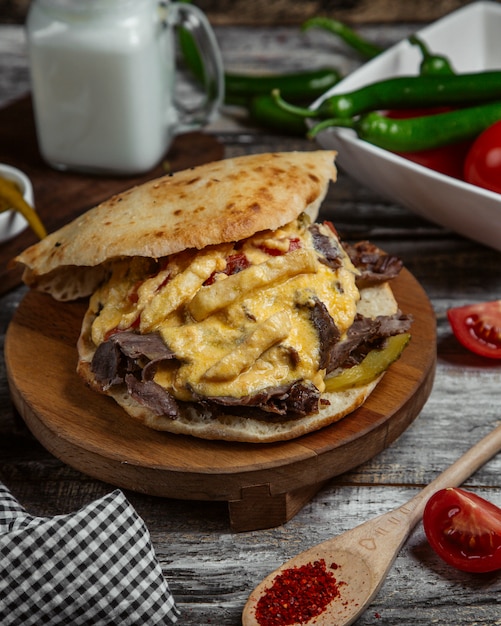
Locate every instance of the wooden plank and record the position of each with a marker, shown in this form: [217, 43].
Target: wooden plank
[262, 12]
[258, 508]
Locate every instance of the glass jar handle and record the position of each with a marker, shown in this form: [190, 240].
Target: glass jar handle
[196, 24]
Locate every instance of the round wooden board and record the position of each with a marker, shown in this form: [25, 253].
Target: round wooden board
[91, 433]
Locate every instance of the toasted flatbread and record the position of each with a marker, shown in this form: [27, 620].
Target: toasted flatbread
[222, 201]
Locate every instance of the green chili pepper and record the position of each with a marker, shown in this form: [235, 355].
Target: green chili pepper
[431, 64]
[239, 88]
[403, 92]
[305, 85]
[264, 111]
[349, 36]
[418, 133]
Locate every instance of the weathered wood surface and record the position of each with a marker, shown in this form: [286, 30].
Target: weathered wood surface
[212, 570]
[263, 12]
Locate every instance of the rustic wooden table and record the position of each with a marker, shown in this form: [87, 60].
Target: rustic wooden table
[210, 569]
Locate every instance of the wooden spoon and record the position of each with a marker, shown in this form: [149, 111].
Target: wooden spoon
[365, 554]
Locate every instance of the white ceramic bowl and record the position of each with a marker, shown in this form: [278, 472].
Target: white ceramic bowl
[471, 38]
[12, 222]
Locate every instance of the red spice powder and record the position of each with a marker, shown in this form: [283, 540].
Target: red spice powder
[297, 594]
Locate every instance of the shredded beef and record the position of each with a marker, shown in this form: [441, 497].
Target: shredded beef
[107, 365]
[326, 246]
[394, 324]
[365, 335]
[152, 395]
[375, 266]
[126, 352]
[303, 399]
[135, 346]
[328, 332]
[295, 400]
[132, 358]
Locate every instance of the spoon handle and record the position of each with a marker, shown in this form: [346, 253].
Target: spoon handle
[457, 473]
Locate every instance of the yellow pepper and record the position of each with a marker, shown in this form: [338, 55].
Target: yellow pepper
[11, 199]
[374, 364]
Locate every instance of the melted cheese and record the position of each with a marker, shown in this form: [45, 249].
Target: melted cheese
[240, 333]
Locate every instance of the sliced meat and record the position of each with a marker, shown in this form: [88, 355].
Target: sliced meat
[296, 400]
[135, 345]
[375, 266]
[394, 324]
[330, 253]
[303, 399]
[328, 332]
[153, 396]
[363, 336]
[107, 365]
[127, 352]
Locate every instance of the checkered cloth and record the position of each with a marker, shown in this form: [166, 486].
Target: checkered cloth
[95, 567]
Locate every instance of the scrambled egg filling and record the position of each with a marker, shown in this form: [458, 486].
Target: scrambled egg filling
[235, 315]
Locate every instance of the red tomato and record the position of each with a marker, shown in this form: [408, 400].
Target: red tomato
[448, 160]
[478, 327]
[464, 530]
[483, 162]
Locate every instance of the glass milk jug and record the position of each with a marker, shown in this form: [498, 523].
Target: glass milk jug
[103, 76]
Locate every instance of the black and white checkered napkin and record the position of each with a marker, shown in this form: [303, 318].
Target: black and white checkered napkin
[95, 567]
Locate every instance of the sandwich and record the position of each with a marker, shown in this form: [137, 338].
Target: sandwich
[218, 307]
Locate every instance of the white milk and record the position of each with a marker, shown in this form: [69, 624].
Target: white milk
[102, 76]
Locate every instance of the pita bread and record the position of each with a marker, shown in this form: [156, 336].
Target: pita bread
[219, 202]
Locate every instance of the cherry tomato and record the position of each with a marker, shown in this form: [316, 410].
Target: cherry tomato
[464, 530]
[482, 166]
[478, 327]
[448, 160]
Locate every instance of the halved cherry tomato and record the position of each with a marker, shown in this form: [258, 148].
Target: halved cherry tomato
[447, 160]
[478, 327]
[464, 530]
[482, 166]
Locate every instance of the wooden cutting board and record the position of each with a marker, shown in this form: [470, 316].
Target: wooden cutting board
[264, 484]
[62, 196]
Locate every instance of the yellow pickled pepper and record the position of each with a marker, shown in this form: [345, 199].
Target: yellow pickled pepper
[11, 198]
